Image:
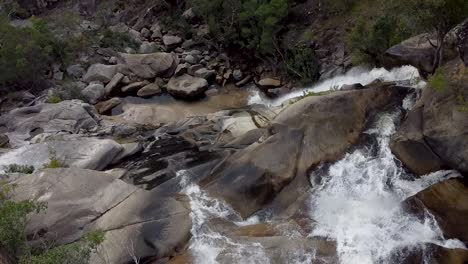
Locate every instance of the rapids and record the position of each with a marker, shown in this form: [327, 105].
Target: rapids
[355, 202]
[407, 75]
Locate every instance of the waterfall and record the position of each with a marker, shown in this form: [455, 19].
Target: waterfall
[356, 201]
[359, 204]
[407, 75]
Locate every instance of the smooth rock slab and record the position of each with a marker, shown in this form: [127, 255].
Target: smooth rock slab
[146, 224]
[67, 116]
[74, 197]
[85, 153]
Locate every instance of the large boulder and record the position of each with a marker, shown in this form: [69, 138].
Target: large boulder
[462, 35]
[94, 92]
[86, 153]
[74, 197]
[137, 223]
[67, 116]
[431, 253]
[172, 42]
[418, 52]
[448, 202]
[148, 66]
[145, 224]
[410, 146]
[435, 133]
[187, 87]
[308, 132]
[102, 73]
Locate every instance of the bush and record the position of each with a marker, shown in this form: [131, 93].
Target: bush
[337, 6]
[55, 162]
[117, 40]
[16, 168]
[13, 220]
[26, 52]
[13, 240]
[303, 64]
[438, 81]
[370, 38]
[250, 24]
[75, 253]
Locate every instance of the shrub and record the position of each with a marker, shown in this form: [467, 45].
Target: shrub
[75, 253]
[54, 162]
[337, 6]
[13, 220]
[16, 168]
[117, 40]
[438, 81]
[68, 91]
[13, 240]
[370, 38]
[26, 52]
[250, 24]
[303, 64]
[54, 99]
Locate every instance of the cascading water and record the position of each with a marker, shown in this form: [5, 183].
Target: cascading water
[359, 204]
[206, 244]
[357, 201]
[355, 75]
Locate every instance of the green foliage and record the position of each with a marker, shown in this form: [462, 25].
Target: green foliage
[54, 162]
[13, 9]
[13, 220]
[438, 81]
[13, 240]
[25, 52]
[338, 6]
[54, 99]
[75, 253]
[16, 168]
[302, 63]
[251, 24]
[370, 38]
[117, 40]
[68, 91]
[439, 15]
[462, 103]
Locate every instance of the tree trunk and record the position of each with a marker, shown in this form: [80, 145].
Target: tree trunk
[438, 54]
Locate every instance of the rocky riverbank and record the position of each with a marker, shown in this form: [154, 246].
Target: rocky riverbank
[167, 155]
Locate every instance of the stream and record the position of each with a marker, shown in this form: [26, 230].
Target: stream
[355, 203]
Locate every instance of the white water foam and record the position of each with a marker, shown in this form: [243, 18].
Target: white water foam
[359, 205]
[361, 75]
[206, 245]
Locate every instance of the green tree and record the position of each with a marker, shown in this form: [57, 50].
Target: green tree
[370, 38]
[13, 220]
[25, 52]
[250, 24]
[440, 16]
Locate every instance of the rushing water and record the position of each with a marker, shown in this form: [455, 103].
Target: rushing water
[357, 203]
[355, 75]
